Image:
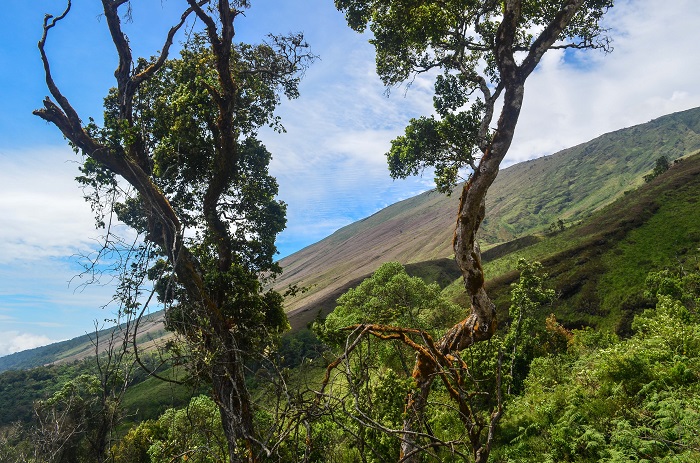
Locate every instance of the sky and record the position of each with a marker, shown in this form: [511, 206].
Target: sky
[330, 163]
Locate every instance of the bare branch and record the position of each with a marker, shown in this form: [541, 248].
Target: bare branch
[153, 68]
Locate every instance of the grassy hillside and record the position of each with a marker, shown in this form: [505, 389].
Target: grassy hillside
[599, 267]
[577, 181]
[525, 198]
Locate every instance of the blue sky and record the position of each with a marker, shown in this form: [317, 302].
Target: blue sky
[329, 164]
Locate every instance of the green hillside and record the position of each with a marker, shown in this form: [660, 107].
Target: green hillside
[524, 200]
[597, 266]
[575, 182]
[150, 328]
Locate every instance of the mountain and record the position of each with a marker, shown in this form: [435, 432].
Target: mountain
[598, 266]
[595, 266]
[525, 198]
[151, 328]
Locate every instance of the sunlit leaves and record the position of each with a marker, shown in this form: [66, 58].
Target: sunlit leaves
[615, 401]
[446, 144]
[390, 297]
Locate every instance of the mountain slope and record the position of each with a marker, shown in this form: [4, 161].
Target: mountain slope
[525, 198]
[151, 328]
[598, 268]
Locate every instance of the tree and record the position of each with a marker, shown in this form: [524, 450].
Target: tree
[484, 51]
[177, 160]
[66, 420]
[467, 404]
[390, 297]
[372, 384]
[526, 296]
[661, 166]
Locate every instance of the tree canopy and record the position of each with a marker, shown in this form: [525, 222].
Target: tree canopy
[478, 49]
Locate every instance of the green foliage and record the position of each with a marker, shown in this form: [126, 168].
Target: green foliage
[377, 378]
[15, 446]
[193, 433]
[527, 338]
[300, 346]
[69, 423]
[134, 446]
[447, 145]
[613, 401]
[389, 297]
[19, 389]
[662, 165]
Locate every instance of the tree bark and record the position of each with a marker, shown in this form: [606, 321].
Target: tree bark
[481, 323]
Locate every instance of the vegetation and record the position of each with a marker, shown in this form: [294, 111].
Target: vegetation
[611, 400]
[661, 166]
[487, 49]
[579, 395]
[598, 267]
[396, 372]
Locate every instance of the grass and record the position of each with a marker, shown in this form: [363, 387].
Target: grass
[151, 397]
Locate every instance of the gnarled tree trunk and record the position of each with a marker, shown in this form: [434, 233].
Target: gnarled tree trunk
[481, 323]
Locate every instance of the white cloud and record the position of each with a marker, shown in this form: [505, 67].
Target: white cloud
[43, 211]
[651, 72]
[14, 341]
[330, 164]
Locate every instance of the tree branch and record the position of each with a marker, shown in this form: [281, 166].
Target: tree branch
[549, 36]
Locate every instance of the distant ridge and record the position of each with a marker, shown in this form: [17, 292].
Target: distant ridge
[525, 198]
[150, 328]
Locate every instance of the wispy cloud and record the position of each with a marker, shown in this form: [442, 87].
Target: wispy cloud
[330, 164]
[43, 212]
[651, 72]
